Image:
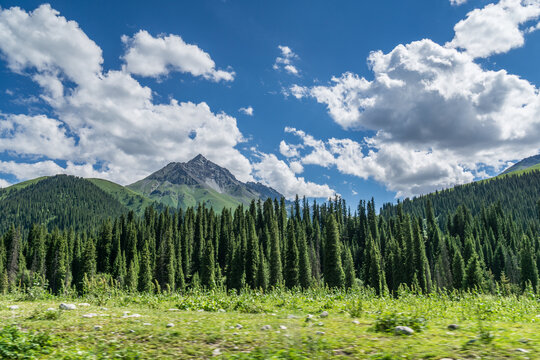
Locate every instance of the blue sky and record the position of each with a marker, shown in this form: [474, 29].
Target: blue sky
[119, 89]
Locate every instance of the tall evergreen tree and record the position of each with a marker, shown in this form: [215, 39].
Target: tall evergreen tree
[333, 271]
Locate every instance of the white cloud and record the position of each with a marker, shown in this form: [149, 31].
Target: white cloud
[285, 61]
[106, 119]
[246, 110]
[496, 28]
[275, 173]
[288, 150]
[35, 135]
[158, 56]
[4, 183]
[296, 167]
[457, 2]
[107, 124]
[438, 117]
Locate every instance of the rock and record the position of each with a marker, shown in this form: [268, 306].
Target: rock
[282, 327]
[64, 306]
[266, 327]
[104, 309]
[131, 331]
[292, 317]
[356, 322]
[453, 327]
[170, 325]
[97, 327]
[472, 341]
[238, 326]
[320, 324]
[200, 310]
[51, 309]
[88, 316]
[131, 316]
[147, 324]
[403, 330]
[309, 317]
[235, 334]
[319, 333]
[324, 314]
[84, 304]
[522, 350]
[216, 352]
[173, 309]
[524, 341]
[13, 307]
[221, 310]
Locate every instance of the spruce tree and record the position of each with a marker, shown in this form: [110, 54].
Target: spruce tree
[145, 272]
[334, 276]
[529, 270]
[473, 274]
[208, 275]
[458, 271]
[348, 268]
[292, 259]
[276, 274]
[304, 264]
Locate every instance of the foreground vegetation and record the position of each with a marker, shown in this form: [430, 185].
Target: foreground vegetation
[204, 324]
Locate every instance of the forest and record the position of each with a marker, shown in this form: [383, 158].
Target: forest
[269, 245]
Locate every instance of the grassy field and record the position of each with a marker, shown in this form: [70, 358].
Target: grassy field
[270, 326]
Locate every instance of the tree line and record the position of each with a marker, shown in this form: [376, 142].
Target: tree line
[268, 245]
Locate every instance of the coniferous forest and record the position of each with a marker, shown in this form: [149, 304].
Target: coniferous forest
[271, 245]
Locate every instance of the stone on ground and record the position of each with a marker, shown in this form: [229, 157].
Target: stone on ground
[14, 307]
[324, 314]
[403, 330]
[266, 327]
[453, 327]
[170, 325]
[64, 306]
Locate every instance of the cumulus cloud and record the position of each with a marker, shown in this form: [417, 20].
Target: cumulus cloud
[496, 28]
[4, 183]
[285, 61]
[106, 124]
[107, 120]
[457, 2]
[246, 110]
[438, 117]
[277, 174]
[157, 56]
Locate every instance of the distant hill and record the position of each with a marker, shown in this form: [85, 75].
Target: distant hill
[200, 181]
[517, 192]
[57, 201]
[527, 163]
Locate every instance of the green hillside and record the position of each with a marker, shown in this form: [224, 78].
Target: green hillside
[58, 201]
[127, 197]
[183, 196]
[517, 192]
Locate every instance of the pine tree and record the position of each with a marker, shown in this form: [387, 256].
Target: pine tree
[252, 255]
[348, 268]
[458, 271]
[304, 265]
[292, 262]
[473, 274]
[208, 275]
[165, 262]
[334, 276]
[529, 270]
[145, 272]
[276, 274]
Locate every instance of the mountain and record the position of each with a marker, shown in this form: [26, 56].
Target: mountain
[527, 163]
[58, 201]
[517, 192]
[200, 181]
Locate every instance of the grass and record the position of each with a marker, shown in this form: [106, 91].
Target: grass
[205, 325]
[127, 197]
[185, 196]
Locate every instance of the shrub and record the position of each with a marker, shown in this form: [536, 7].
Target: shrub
[15, 344]
[388, 321]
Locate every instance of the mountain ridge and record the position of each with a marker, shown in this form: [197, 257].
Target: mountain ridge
[184, 184]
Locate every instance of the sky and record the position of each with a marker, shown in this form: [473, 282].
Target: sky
[388, 98]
